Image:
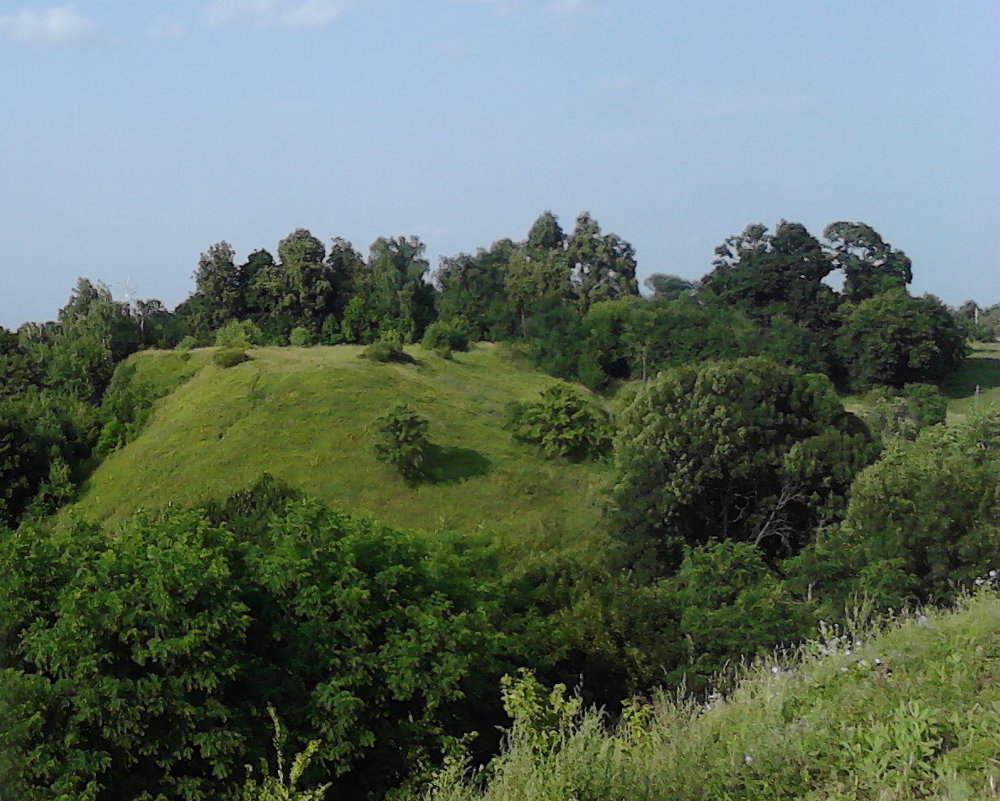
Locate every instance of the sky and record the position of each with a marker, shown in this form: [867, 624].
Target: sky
[135, 135]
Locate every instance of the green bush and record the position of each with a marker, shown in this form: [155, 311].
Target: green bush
[187, 344]
[402, 441]
[239, 334]
[229, 357]
[445, 336]
[563, 423]
[137, 662]
[387, 348]
[300, 337]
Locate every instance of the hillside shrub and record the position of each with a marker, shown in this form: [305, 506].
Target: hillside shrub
[239, 334]
[301, 337]
[402, 441]
[187, 344]
[445, 336]
[563, 423]
[229, 357]
[387, 348]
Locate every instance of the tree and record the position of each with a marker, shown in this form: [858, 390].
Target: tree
[743, 450]
[217, 280]
[668, 287]
[895, 339]
[545, 236]
[472, 290]
[136, 663]
[402, 441]
[602, 266]
[870, 264]
[766, 274]
[563, 423]
[920, 522]
[392, 293]
[532, 283]
[731, 607]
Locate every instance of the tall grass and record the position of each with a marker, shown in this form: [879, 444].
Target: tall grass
[908, 712]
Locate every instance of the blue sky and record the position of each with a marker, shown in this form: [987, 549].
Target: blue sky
[134, 135]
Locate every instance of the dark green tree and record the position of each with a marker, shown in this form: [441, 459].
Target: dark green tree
[217, 281]
[743, 450]
[766, 274]
[920, 522]
[869, 263]
[602, 266]
[895, 339]
[472, 291]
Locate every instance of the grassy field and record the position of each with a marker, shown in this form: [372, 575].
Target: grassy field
[977, 384]
[909, 712]
[305, 415]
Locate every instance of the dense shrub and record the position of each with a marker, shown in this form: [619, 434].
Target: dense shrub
[229, 357]
[563, 423]
[443, 336]
[387, 348]
[402, 441]
[239, 334]
[300, 337]
[137, 664]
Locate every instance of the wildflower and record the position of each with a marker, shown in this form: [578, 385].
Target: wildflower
[878, 661]
[747, 759]
[848, 652]
[993, 574]
[775, 670]
[980, 582]
[922, 620]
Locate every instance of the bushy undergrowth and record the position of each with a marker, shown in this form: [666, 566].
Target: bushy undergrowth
[905, 713]
[563, 423]
[229, 357]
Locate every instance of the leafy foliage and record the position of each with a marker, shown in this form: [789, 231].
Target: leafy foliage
[896, 339]
[743, 450]
[563, 424]
[136, 662]
[402, 441]
[229, 357]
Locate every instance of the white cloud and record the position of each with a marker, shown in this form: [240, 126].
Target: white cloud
[51, 27]
[276, 13]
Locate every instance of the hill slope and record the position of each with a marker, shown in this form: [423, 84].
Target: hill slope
[912, 712]
[305, 415]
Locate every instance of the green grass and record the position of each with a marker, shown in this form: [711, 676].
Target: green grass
[976, 386]
[305, 415]
[911, 712]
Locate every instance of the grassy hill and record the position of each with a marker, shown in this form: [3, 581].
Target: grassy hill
[910, 712]
[305, 415]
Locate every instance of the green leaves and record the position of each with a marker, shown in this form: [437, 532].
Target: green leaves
[563, 424]
[402, 441]
[137, 664]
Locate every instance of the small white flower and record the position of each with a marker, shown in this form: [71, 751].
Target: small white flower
[993, 574]
[922, 620]
[979, 582]
[775, 670]
[843, 669]
[878, 661]
[747, 759]
[848, 652]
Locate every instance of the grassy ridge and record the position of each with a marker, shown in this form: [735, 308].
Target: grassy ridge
[910, 712]
[304, 415]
